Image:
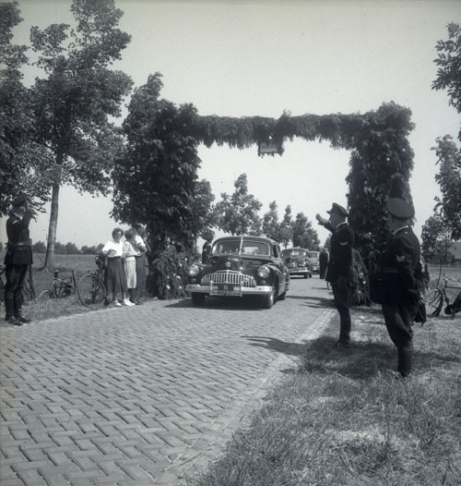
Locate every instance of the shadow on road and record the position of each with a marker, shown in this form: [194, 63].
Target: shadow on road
[362, 360]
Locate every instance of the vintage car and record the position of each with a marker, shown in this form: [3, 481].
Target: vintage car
[314, 261]
[297, 261]
[240, 266]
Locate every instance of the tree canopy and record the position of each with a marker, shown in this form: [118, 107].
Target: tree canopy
[74, 99]
[237, 213]
[304, 235]
[155, 180]
[447, 212]
[449, 67]
[20, 156]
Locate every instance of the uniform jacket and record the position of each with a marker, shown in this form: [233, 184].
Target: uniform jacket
[341, 256]
[19, 251]
[399, 265]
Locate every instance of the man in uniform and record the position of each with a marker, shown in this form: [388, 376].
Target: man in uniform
[17, 259]
[400, 262]
[340, 267]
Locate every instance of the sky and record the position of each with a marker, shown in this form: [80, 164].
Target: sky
[261, 58]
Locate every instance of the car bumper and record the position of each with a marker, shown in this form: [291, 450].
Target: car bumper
[297, 271]
[239, 292]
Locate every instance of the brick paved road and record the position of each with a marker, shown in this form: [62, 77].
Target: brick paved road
[145, 395]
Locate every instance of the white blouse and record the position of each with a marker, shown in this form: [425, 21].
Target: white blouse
[113, 249]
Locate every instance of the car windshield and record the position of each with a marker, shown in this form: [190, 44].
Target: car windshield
[313, 254]
[293, 253]
[248, 248]
[228, 246]
[255, 248]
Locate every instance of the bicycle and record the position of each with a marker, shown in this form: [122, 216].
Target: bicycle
[28, 288]
[90, 288]
[61, 288]
[436, 298]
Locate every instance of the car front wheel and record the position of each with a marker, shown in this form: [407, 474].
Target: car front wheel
[197, 299]
[268, 300]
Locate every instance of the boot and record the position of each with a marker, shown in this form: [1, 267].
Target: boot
[405, 359]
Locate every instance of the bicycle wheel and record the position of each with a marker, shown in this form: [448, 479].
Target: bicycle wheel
[91, 291]
[45, 296]
[434, 302]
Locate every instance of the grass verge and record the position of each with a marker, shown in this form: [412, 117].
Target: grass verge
[344, 418]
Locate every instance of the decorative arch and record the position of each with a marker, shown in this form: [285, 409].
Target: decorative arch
[381, 159]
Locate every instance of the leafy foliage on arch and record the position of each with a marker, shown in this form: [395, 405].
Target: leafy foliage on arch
[381, 156]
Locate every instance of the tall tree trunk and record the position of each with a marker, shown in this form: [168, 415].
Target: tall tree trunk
[49, 257]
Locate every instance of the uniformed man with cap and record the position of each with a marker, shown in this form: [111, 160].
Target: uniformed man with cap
[400, 264]
[340, 267]
[17, 259]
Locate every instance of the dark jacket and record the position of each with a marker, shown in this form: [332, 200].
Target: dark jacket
[400, 269]
[341, 259]
[206, 251]
[19, 250]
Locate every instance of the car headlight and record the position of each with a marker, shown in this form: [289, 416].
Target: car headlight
[263, 272]
[193, 271]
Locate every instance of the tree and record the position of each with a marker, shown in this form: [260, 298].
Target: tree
[238, 214]
[448, 154]
[449, 180]
[271, 226]
[449, 67]
[304, 236]
[436, 239]
[74, 100]
[203, 218]
[72, 249]
[155, 180]
[381, 149]
[39, 247]
[286, 227]
[20, 157]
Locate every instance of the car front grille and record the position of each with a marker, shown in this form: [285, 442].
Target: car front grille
[230, 277]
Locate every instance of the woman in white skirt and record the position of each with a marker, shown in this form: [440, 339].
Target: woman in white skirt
[115, 278]
[129, 264]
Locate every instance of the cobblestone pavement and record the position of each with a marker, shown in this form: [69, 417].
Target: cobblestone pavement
[144, 395]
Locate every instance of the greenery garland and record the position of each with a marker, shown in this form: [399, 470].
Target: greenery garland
[381, 157]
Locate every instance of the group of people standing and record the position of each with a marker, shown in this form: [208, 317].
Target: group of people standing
[126, 266]
[399, 269]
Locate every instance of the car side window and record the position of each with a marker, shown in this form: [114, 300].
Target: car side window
[276, 251]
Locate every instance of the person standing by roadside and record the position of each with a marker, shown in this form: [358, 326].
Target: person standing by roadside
[115, 278]
[17, 259]
[206, 248]
[403, 273]
[340, 271]
[142, 248]
[129, 266]
[323, 262]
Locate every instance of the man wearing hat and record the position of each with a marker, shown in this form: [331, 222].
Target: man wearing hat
[340, 267]
[400, 264]
[17, 259]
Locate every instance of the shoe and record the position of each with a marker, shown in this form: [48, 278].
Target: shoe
[138, 302]
[23, 319]
[117, 304]
[13, 320]
[127, 303]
